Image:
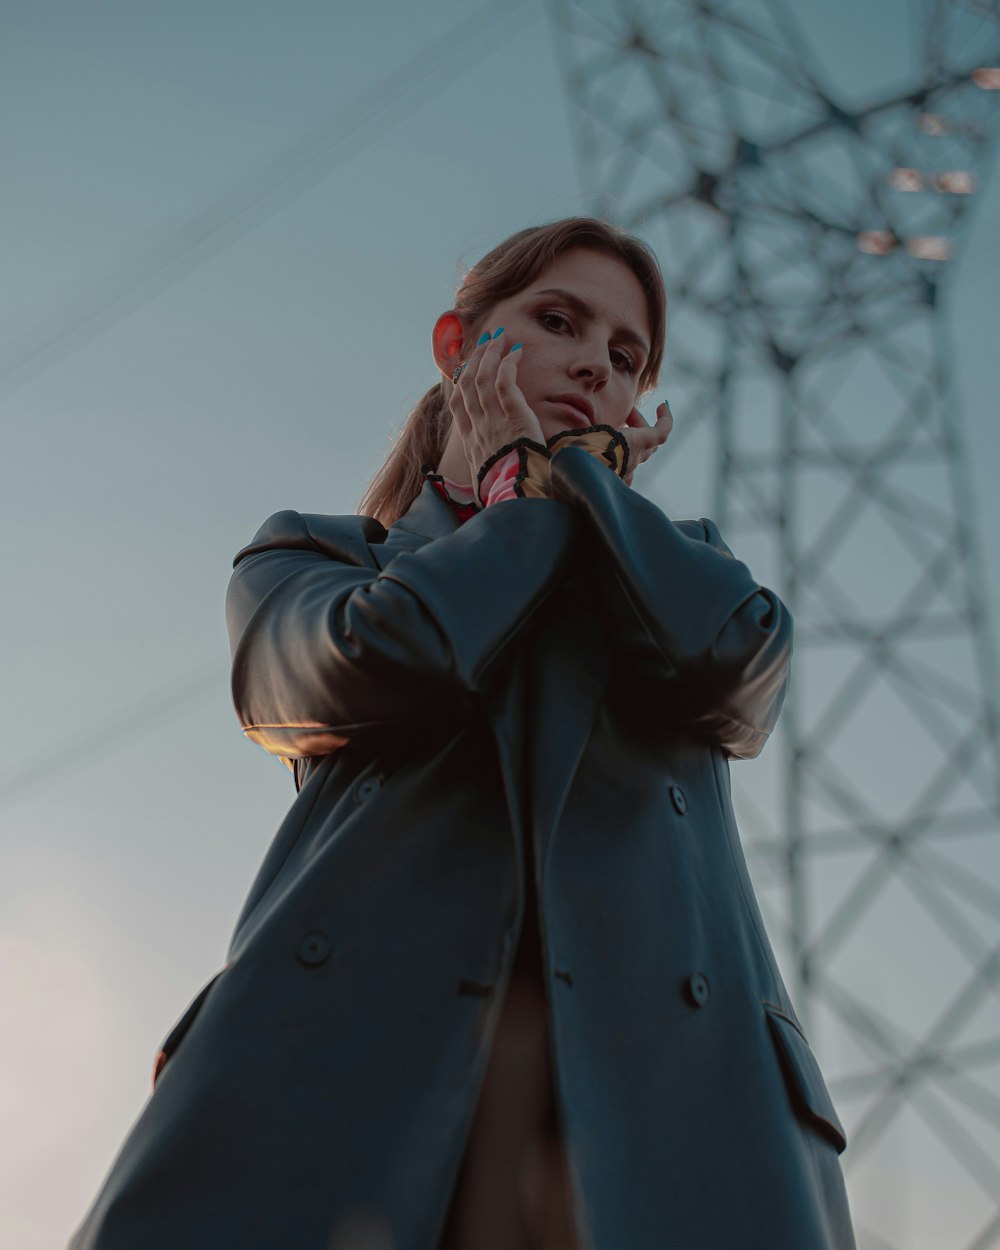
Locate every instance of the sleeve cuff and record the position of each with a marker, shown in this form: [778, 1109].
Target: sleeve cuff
[604, 441]
[519, 470]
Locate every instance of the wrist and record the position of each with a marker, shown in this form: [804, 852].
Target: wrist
[603, 441]
[518, 470]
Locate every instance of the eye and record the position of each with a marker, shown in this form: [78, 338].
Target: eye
[552, 320]
[557, 323]
[622, 360]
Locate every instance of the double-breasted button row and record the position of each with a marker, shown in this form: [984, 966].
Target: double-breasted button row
[679, 800]
[314, 949]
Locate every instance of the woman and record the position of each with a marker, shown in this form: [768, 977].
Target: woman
[501, 980]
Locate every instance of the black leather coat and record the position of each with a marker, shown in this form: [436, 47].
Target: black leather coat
[570, 675]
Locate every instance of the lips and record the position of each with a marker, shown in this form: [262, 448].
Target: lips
[582, 406]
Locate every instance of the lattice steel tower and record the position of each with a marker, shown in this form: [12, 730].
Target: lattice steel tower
[806, 247]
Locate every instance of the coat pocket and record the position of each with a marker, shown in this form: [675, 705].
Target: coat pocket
[176, 1034]
[806, 1087]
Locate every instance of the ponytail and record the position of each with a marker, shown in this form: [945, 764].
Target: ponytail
[420, 445]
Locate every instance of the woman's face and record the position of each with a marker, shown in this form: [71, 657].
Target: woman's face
[584, 327]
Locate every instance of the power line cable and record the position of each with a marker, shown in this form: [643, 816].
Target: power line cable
[145, 715]
[202, 237]
[136, 283]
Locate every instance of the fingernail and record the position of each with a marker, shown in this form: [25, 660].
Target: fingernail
[498, 333]
[483, 338]
[516, 347]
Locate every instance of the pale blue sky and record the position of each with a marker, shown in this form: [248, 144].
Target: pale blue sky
[270, 376]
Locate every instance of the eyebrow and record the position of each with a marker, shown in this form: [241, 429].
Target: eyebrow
[584, 310]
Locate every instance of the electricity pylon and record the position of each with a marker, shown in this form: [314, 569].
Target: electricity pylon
[807, 246]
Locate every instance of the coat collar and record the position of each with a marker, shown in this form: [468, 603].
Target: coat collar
[427, 518]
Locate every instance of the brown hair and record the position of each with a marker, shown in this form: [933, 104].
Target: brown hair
[513, 265]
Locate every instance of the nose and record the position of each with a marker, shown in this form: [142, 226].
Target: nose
[593, 365]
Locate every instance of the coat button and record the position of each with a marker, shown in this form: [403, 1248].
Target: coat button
[367, 788]
[679, 799]
[314, 948]
[697, 988]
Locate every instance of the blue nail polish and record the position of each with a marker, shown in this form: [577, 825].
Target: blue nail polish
[516, 347]
[484, 338]
[498, 333]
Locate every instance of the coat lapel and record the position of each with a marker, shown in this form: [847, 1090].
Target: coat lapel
[427, 518]
[543, 710]
[569, 672]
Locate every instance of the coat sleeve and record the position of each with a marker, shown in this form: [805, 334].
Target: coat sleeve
[327, 647]
[702, 642]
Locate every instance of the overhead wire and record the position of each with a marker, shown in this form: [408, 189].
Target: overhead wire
[417, 81]
[131, 286]
[143, 716]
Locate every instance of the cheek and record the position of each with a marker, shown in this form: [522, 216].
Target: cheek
[535, 364]
[538, 346]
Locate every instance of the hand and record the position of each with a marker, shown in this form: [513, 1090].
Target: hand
[487, 406]
[643, 439]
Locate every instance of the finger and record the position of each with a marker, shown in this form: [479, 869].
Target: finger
[519, 419]
[652, 436]
[459, 405]
[460, 419]
[472, 362]
[635, 418]
[457, 408]
[486, 374]
[475, 355]
[479, 388]
[645, 440]
[505, 382]
[642, 441]
[499, 397]
[465, 395]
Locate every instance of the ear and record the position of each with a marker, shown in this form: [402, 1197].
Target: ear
[448, 341]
